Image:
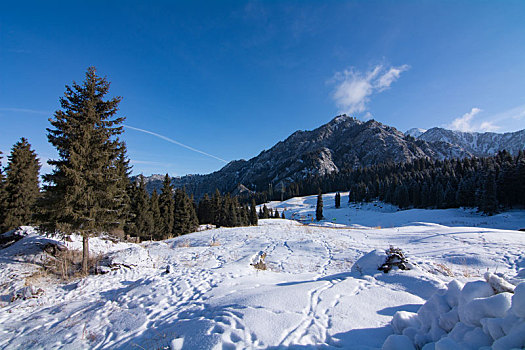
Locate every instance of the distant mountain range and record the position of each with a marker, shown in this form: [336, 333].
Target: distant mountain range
[475, 143]
[343, 142]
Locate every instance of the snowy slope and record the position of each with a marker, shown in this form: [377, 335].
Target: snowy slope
[312, 294]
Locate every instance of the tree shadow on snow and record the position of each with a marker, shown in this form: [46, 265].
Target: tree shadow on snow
[338, 277]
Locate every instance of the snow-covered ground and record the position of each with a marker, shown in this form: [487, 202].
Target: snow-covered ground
[199, 291]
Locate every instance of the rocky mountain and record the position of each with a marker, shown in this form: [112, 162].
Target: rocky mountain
[475, 143]
[341, 143]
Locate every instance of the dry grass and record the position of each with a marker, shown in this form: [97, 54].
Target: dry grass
[67, 264]
[444, 269]
[214, 243]
[261, 264]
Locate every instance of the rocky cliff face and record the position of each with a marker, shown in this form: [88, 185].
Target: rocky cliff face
[475, 143]
[343, 142]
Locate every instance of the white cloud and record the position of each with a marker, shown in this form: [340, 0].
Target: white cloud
[488, 126]
[354, 88]
[464, 123]
[390, 76]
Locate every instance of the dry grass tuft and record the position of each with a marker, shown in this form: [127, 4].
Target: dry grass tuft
[214, 243]
[444, 269]
[67, 264]
[261, 264]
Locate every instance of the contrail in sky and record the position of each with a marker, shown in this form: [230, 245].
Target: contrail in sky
[175, 142]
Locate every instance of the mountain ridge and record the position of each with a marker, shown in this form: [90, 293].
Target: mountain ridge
[343, 142]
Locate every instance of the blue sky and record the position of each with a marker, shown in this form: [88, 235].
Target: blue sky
[208, 82]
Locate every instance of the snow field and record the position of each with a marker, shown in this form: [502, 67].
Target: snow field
[321, 289]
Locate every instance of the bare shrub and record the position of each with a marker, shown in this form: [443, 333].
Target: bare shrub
[395, 258]
[67, 264]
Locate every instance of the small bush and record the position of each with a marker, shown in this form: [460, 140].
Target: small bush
[258, 261]
[395, 258]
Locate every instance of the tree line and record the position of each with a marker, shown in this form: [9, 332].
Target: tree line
[489, 184]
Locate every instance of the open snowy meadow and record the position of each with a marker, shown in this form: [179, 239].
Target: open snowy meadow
[320, 287]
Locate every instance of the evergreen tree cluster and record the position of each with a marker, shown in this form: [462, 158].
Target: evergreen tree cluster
[269, 213]
[226, 211]
[174, 213]
[19, 188]
[489, 183]
[158, 217]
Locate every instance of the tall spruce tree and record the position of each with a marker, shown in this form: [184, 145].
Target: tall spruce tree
[338, 200]
[21, 185]
[185, 218]
[167, 207]
[489, 201]
[143, 217]
[158, 226]
[319, 207]
[3, 196]
[83, 190]
[253, 214]
[205, 211]
[216, 205]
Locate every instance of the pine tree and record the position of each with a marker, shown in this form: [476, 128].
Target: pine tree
[338, 200]
[265, 212]
[143, 217]
[3, 196]
[253, 214]
[158, 225]
[205, 211]
[319, 207]
[282, 215]
[122, 199]
[216, 205]
[167, 208]
[489, 202]
[21, 185]
[185, 218]
[276, 214]
[85, 184]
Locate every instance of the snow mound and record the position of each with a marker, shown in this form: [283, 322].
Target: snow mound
[476, 315]
[376, 260]
[134, 256]
[369, 263]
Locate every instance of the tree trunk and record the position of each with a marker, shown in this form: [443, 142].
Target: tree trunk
[85, 253]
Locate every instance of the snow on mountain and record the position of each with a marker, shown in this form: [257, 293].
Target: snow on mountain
[341, 143]
[415, 132]
[478, 144]
[187, 293]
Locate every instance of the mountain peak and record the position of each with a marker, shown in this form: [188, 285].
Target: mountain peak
[415, 132]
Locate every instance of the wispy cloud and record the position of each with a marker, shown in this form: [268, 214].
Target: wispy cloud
[464, 123]
[165, 138]
[353, 88]
[506, 120]
[24, 110]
